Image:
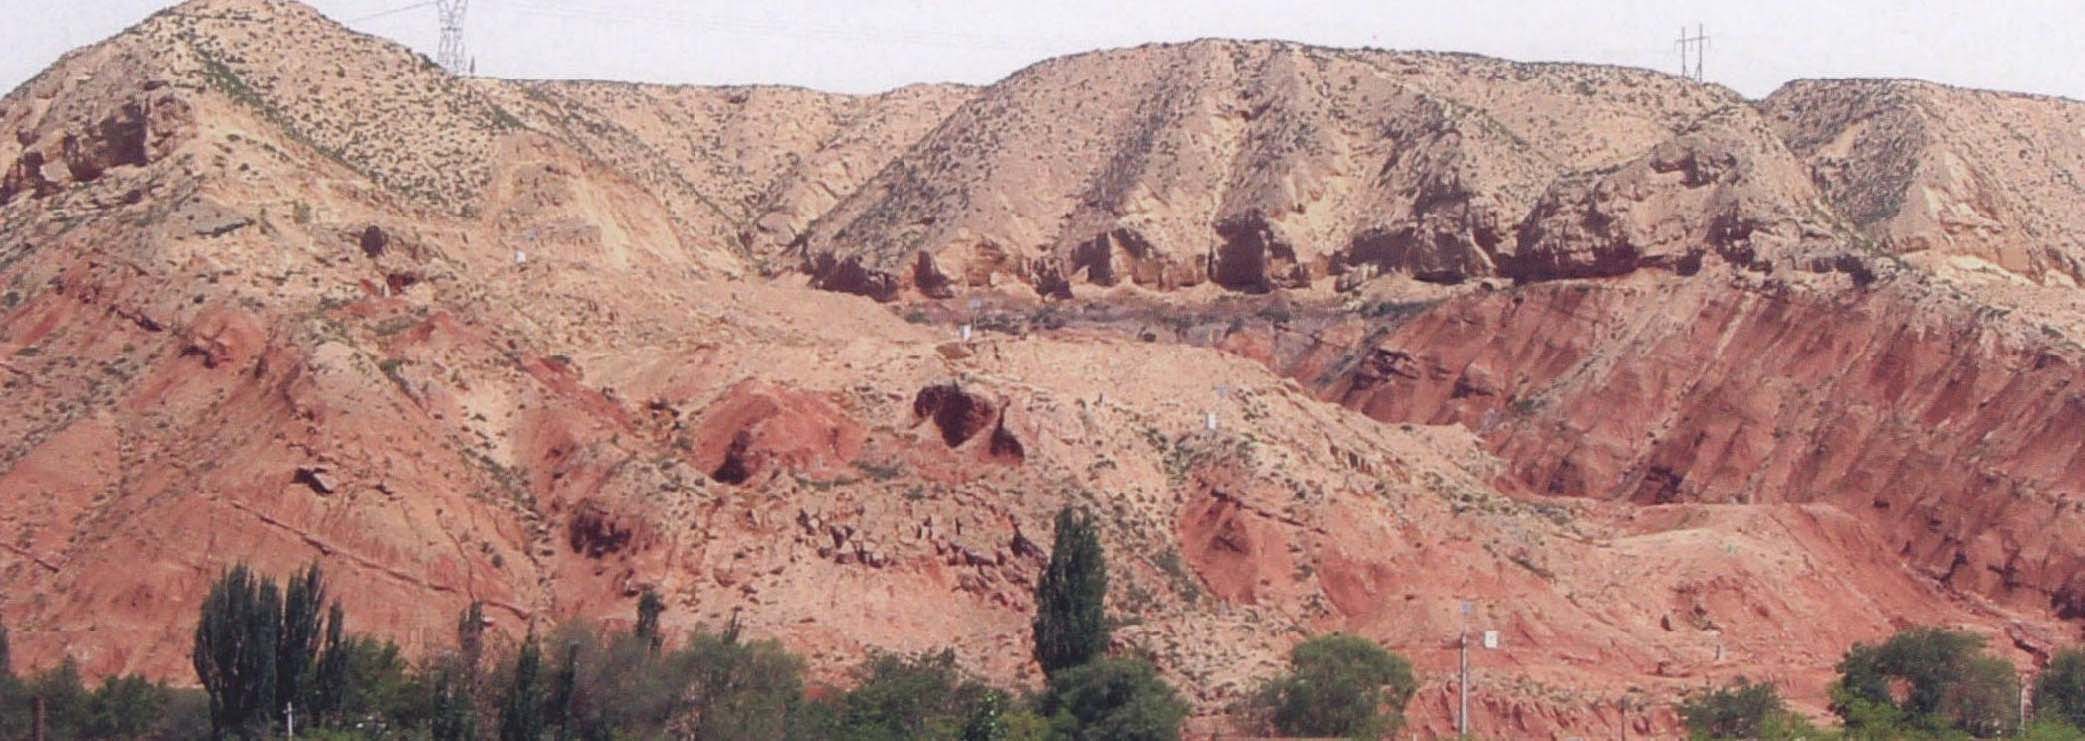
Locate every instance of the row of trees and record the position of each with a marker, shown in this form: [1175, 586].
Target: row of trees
[56, 702]
[272, 655]
[1922, 683]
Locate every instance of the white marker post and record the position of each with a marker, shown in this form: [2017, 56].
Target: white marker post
[1462, 683]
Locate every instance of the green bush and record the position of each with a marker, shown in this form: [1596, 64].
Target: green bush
[1951, 685]
[742, 690]
[925, 696]
[2059, 693]
[1112, 700]
[125, 707]
[1743, 710]
[618, 684]
[377, 685]
[1339, 685]
[65, 700]
[998, 718]
[2050, 730]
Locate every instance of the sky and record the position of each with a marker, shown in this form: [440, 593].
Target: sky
[871, 45]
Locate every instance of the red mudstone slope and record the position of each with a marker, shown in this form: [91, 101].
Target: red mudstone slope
[271, 291]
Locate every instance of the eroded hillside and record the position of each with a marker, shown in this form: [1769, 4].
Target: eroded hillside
[1334, 340]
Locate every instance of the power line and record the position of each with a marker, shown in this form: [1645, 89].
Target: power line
[393, 11]
[908, 37]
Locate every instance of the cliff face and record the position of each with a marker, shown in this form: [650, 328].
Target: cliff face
[1904, 407]
[1653, 375]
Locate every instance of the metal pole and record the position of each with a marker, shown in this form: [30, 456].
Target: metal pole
[1462, 685]
[1701, 50]
[1683, 51]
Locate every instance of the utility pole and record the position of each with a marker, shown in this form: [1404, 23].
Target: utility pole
[289, 715]
[1693, 47]
[2023, 704]
[1462, 683]
[451, 55]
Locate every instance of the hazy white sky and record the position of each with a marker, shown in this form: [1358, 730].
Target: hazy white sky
[869, 45]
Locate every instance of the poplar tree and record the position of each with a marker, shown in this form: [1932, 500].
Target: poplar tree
[521, 715]
[235, 652]
[1070, 625]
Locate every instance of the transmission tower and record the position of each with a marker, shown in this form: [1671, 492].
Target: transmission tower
[452, 55]
[1695, 48]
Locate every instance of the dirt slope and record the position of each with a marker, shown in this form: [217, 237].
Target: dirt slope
[1260, 165]
[1976, 184]
[754, 164]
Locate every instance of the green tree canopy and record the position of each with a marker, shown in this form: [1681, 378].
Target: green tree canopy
[521, 709]
[924, 696]
[1113, 700]
[299, 639]
[1071, 625]
[1743, 709]
[1339, 685]
[649, 607]
[2059, 693]
[234, 652]
[1949, 684]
